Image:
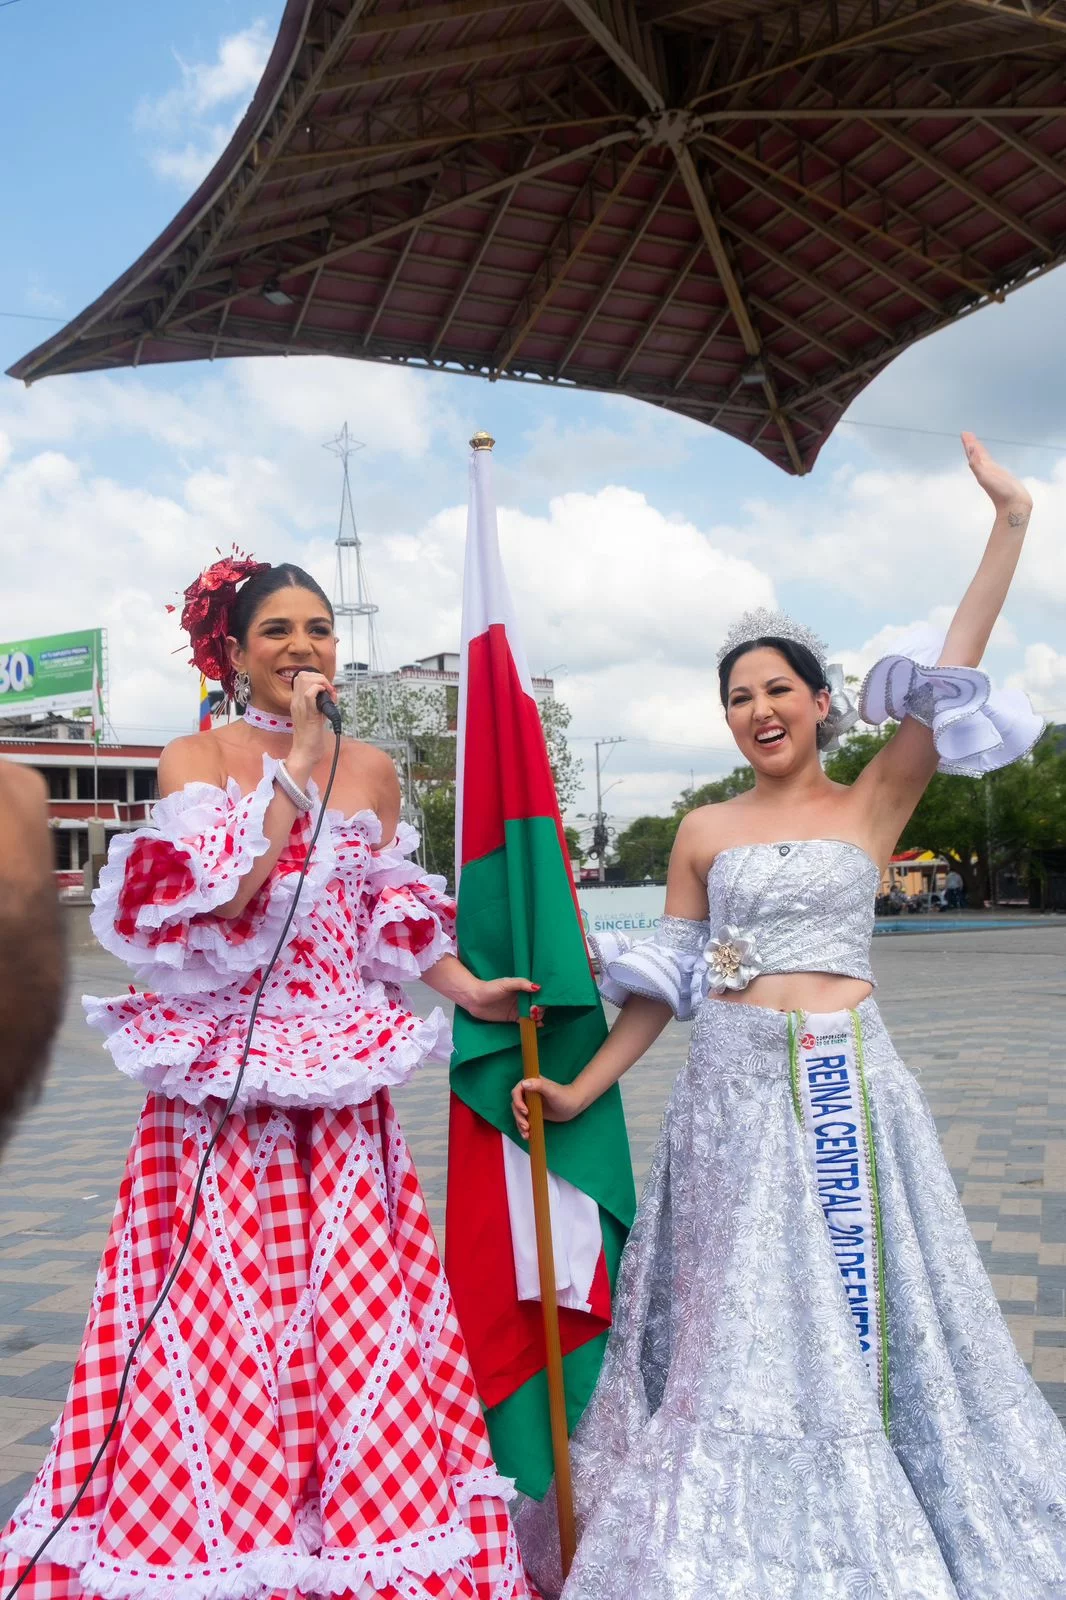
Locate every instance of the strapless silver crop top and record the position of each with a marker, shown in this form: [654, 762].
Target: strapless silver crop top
[806, 905]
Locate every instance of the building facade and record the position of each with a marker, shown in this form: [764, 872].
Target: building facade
[93, 792]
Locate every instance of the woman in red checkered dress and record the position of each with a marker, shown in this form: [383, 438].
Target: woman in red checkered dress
[301, 1415]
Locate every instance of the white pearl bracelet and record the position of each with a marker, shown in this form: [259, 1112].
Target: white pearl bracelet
[291, 789]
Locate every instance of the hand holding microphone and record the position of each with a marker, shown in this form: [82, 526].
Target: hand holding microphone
[324, 701]
[313, 711]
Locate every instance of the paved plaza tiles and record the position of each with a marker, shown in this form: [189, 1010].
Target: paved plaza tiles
[981, 1016]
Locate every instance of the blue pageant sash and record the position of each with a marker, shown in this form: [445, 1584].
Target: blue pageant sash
[829, 1093]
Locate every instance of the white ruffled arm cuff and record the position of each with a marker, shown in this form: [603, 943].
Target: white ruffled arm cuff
[668, 966]
[407, 921]
[161, 886]
[976, 728]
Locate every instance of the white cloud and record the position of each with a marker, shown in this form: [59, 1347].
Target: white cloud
[898, 536]
[1043, 677]
[115, 488]
[187, 128]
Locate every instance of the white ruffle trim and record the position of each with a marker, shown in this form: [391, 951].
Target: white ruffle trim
[201, 823]
[486, 1484]
[976, 729]
[207, 953]
[179, 1049]
[329, 1571]
[403, 893]
[658, 971]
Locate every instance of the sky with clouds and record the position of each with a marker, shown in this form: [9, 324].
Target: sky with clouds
[631, 537]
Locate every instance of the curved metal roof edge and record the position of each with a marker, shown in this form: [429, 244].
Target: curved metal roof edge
[287, 45]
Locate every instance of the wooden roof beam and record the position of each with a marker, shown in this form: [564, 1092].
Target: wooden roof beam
[832, 46]
[664, 303]
[704, 208]
[839, 175]
[1053, 166]
[336, 194]
[817, 285]
[929, 158]
[726, 157]
[401, 262]
[420, 64]
[428, 16]
[480, 252]
[617, 31]
[315, 162]
[1025, 15]
[547, 277]
[813, 336]
[666, 182]
[393, 230]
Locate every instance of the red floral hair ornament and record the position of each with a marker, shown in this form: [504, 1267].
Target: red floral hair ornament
[206, 613]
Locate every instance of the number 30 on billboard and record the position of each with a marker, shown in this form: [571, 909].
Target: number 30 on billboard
[16, 672]
[55, 673]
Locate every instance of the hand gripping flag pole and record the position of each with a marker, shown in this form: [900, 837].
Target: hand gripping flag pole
[545, 1222]
[538, 1159]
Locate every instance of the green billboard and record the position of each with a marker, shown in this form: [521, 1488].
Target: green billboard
[56, 673]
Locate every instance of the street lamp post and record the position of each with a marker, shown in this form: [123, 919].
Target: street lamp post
[599, 832]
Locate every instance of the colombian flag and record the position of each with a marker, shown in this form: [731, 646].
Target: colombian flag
[205, 706]
[518, 914]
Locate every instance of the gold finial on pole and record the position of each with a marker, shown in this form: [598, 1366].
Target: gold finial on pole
[482, 441]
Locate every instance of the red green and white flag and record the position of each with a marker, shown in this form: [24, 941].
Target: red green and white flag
[518, 914]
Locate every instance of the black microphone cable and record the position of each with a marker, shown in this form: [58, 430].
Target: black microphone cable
[200, 1179]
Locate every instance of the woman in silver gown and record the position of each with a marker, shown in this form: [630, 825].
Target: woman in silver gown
[809, 1392]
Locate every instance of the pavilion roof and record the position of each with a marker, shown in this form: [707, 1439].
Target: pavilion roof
[736, 209]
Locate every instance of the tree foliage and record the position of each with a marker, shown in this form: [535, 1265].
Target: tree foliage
[420, 718]
[643, 849]
[739, 781]
[979, 825]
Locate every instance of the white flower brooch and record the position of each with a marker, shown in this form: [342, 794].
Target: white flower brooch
[732, 959]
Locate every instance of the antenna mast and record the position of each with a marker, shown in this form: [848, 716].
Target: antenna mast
[352, 601]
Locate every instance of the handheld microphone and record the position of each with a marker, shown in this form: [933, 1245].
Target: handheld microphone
[326, 706]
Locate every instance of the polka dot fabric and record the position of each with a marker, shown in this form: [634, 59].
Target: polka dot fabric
[332, 1028]
[302, 1416]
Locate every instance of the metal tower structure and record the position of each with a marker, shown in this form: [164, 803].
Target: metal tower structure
[352, 603]
[364, 673]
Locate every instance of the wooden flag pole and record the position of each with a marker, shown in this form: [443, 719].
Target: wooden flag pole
[538, 1159]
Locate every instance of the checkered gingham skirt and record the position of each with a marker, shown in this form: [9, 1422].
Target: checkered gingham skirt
[301, 1417]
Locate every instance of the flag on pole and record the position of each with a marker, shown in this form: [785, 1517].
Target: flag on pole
[518, 914]
[97, 712]
[205, 706]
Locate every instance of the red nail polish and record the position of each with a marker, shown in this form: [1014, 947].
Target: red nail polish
[536, 988]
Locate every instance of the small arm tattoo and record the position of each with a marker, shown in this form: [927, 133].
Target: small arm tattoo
[1017, 519]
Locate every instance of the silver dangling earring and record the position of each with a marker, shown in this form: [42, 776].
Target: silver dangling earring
[242, 689]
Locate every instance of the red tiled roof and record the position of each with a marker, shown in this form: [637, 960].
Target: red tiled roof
[735, 209]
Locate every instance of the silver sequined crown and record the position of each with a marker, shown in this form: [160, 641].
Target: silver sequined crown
[765, 624]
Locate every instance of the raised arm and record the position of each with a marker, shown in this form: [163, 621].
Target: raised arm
[895, 779]
[640, 1021]
[983, 601]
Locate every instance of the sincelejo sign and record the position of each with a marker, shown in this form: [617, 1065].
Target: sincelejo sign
[54, 673]
[636, 911]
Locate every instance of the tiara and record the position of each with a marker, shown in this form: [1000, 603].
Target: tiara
[764, 624]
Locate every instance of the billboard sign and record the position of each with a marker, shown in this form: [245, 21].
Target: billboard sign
[54, 673]
[634, 909]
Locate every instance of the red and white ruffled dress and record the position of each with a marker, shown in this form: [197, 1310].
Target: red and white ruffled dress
[301, 1415]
